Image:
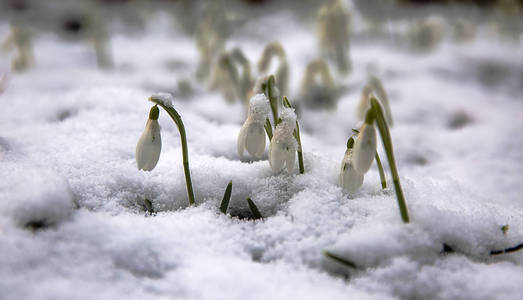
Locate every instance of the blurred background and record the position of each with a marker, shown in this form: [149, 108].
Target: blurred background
[319, 51]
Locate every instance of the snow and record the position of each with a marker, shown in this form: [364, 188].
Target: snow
[259, 108]
[163, 98]
[73, 223]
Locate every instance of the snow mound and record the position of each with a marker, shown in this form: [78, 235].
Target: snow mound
[259, 108]
[35, 198]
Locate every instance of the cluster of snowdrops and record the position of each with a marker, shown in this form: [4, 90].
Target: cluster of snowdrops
[284, 136]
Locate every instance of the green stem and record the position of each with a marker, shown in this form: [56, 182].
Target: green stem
[387, 143]
[268, 129]
[185, 153]
[286, 103]
[382, 173]
[226, 198]
[272, 99]
[255, 212]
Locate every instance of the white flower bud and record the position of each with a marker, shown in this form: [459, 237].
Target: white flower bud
[252, 134]
[282, 150]
[150, 143]
[350, 179]
[364, 149]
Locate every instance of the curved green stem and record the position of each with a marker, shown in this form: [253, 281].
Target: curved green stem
[387, 143]
[382, 173]
[185, 153]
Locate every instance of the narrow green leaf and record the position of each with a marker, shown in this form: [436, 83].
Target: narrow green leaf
[268, 128]
[226, 198]
[148, 206]
[255, 212]
[340, 259]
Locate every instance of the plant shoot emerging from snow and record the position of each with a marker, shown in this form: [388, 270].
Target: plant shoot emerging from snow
[164, 100]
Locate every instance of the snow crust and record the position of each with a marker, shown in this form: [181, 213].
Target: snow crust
[259, 108]
[73, 223]
[164, 98]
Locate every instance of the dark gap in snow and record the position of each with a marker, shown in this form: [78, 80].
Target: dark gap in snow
[459, 120]
[36, 225]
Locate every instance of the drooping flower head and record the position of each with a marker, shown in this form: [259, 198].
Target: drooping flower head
[282, 150]
[150, 143]
[252, 134]
[365, 145]
[350, 179]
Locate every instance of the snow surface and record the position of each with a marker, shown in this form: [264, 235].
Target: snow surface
[72, 217]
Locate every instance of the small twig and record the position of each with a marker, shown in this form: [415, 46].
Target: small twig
[508, 250]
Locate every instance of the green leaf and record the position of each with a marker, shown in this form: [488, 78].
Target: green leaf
[255, 212]
[340, 259]
[226, 198]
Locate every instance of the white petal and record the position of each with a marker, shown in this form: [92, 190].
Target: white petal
[276, 156]
[241, 139]
[290, 159]
[364, 149]
[255, 140]
[149, 146]
[350, 179]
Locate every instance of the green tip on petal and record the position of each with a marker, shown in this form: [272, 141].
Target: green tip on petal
[350, 143]
[154, 113]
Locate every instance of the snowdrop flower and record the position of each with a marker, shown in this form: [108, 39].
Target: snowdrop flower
[150, 143]
[252, 134]
[350, 179]
[282, 150]
[364, 149]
